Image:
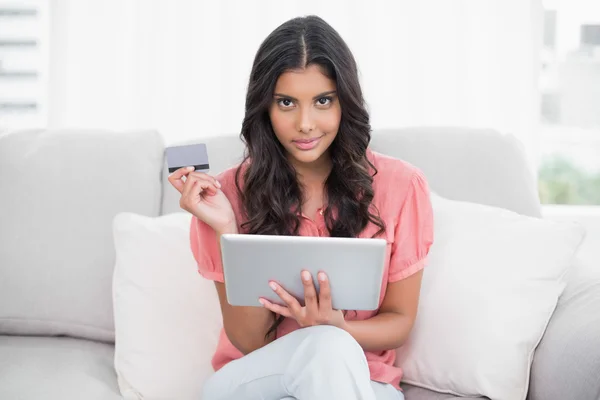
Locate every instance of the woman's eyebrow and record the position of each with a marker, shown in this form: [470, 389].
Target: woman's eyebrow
[314, 98]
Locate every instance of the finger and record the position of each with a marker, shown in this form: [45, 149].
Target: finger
[324, 292]
[310, 294]
[287, 298]
[176, 178]
[194, 185]
[192, 189]
[210, 182]
[276, 308]
[207, 177]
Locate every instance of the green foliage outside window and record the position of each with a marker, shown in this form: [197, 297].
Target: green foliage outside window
[560, 181]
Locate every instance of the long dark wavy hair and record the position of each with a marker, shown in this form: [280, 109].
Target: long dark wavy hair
[271, 195]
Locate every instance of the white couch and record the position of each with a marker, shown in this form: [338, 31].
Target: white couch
[59, 192]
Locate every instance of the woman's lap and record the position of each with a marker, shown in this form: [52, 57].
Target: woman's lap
[317, 362]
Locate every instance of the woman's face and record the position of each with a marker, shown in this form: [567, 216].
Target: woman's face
[305, 115]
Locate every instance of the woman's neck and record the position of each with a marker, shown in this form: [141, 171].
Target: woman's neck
[313, 176]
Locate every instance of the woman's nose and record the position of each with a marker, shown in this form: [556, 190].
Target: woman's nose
[305, 123]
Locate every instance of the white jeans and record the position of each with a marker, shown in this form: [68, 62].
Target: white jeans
[321, 362]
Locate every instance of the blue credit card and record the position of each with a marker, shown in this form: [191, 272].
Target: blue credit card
[194, 155]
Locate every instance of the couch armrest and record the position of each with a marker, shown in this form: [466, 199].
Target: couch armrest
[566, 364]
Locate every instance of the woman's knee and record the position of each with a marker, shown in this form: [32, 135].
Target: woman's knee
[209, 391]
[215, 387]
[330, 341]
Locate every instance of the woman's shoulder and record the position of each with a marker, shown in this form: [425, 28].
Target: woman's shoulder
[392, 171]
[231, 174]
[228, 176]
[227, 179]
[396, 183]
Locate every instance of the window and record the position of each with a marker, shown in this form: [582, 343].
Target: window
[24, 32]
[569, 170]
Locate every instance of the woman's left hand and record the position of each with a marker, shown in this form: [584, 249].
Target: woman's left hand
[317, 309]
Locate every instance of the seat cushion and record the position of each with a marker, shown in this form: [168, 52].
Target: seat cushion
[65, 368]
[417, 393]
[56, 368]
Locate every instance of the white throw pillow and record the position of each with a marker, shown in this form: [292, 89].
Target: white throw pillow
[167, 317]
[490, 288]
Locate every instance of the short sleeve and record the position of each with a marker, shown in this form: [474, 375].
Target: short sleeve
[206, 250]
[203, 239]
[413, 233]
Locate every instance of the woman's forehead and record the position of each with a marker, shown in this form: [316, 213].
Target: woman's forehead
[304, 83]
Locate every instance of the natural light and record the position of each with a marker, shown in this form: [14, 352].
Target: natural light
[482, 118]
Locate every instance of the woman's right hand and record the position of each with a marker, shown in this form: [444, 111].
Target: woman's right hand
[201, 195]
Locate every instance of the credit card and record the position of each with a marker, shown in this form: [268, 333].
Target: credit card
[194, 155]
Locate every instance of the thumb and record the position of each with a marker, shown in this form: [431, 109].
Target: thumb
[176, 178]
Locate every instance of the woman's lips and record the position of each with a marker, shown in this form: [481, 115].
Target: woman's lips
[307, 144]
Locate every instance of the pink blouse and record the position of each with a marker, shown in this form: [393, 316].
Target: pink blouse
[401, 194]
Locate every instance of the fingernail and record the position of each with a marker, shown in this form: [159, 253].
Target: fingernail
[273, 285]
[261, 301]
[190, 168]
[322, 276]
[306, 275]
[218, 184]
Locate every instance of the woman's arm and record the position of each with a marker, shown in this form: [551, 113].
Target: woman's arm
[245, 326]
[390, 328]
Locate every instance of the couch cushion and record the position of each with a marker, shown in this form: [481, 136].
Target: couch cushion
[477, 165]
[567, 362]
[67, 368]
[60, 192]
[56, 368]
[167, 317]
[417, 393]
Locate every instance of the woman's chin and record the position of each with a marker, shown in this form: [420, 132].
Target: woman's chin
[307, 156]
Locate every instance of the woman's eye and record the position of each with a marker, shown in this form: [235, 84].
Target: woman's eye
[288, 103]
[285, 102]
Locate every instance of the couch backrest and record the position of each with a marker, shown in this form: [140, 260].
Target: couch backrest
[59, 192]
[476, 165]
[481, 166]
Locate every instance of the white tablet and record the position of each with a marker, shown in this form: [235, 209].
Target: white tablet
[354, 267]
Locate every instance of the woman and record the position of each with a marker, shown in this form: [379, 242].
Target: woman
[308, 171]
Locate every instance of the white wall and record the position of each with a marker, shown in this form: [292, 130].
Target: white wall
[182, 67]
